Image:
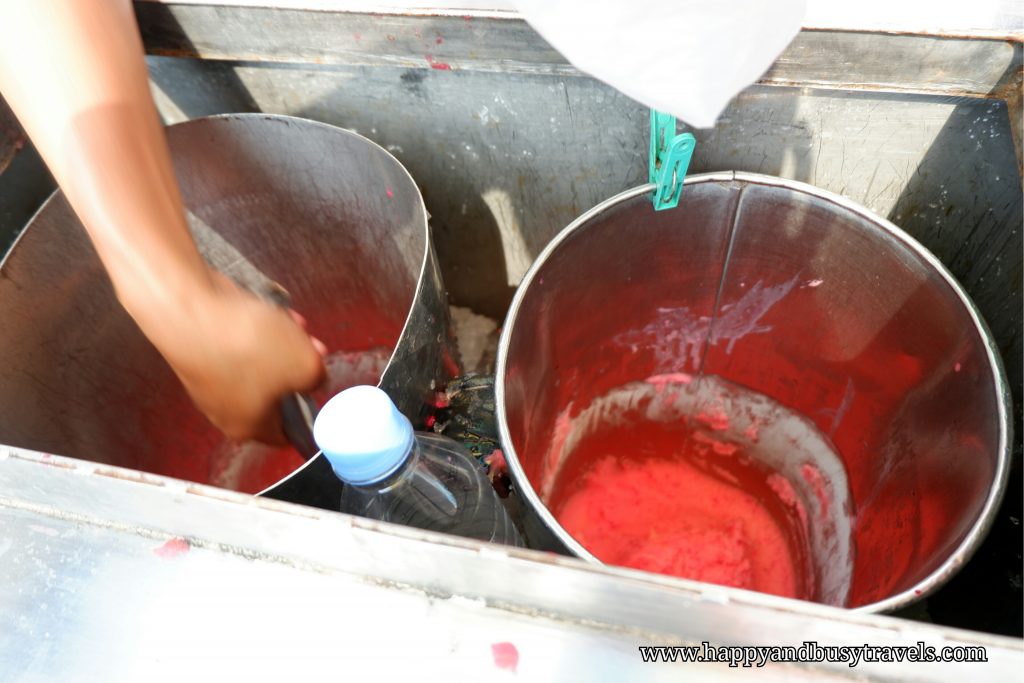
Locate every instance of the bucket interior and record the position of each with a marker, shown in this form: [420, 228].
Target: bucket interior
[757, 296]
[332, 217]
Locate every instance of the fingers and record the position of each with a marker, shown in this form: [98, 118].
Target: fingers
[240, 356]
[320, 347]
[315, 374]
[301, 321]
[240, 425]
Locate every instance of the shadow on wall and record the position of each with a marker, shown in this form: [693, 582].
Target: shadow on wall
[966, 207]
[461, 221]
[501, 171]
[986, 258]
[213, 86]
[761, 131]
[25, 183]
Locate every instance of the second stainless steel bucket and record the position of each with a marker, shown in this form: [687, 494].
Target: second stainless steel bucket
[807, 300]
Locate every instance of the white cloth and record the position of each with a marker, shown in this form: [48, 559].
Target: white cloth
[684, 57]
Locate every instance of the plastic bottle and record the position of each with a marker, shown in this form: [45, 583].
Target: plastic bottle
[397, 475]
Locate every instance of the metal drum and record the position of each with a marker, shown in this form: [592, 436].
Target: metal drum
[328, 214]
[803, 297]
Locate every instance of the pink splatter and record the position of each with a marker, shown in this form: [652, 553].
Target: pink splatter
[389, 193]
[357, 36]
[172, 548]
[440, 66]
[724, 448]
[784, 490]
[751, 432]
[717, 420]
[497, 464]
[506, 656]
[719, 447]
[450, 365]
[956, 368]
[813, 477]
[439, 40]
[670, 378]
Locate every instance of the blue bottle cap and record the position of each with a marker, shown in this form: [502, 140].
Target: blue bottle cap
[362, 435]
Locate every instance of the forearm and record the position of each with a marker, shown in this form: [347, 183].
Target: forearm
[74, 74]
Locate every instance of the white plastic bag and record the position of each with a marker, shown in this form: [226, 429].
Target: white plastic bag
[684, 57]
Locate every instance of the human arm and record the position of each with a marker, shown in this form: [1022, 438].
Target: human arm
[74, 74]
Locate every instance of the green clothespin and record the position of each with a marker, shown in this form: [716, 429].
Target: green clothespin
[669, 159]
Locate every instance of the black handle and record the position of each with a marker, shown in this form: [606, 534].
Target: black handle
[297, 413]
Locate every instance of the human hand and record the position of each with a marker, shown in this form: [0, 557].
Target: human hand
[75, 75]
[237, 356]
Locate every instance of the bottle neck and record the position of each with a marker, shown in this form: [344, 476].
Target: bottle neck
[396, 478]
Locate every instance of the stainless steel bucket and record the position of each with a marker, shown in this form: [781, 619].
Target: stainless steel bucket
[799, 295]
[330, 215]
